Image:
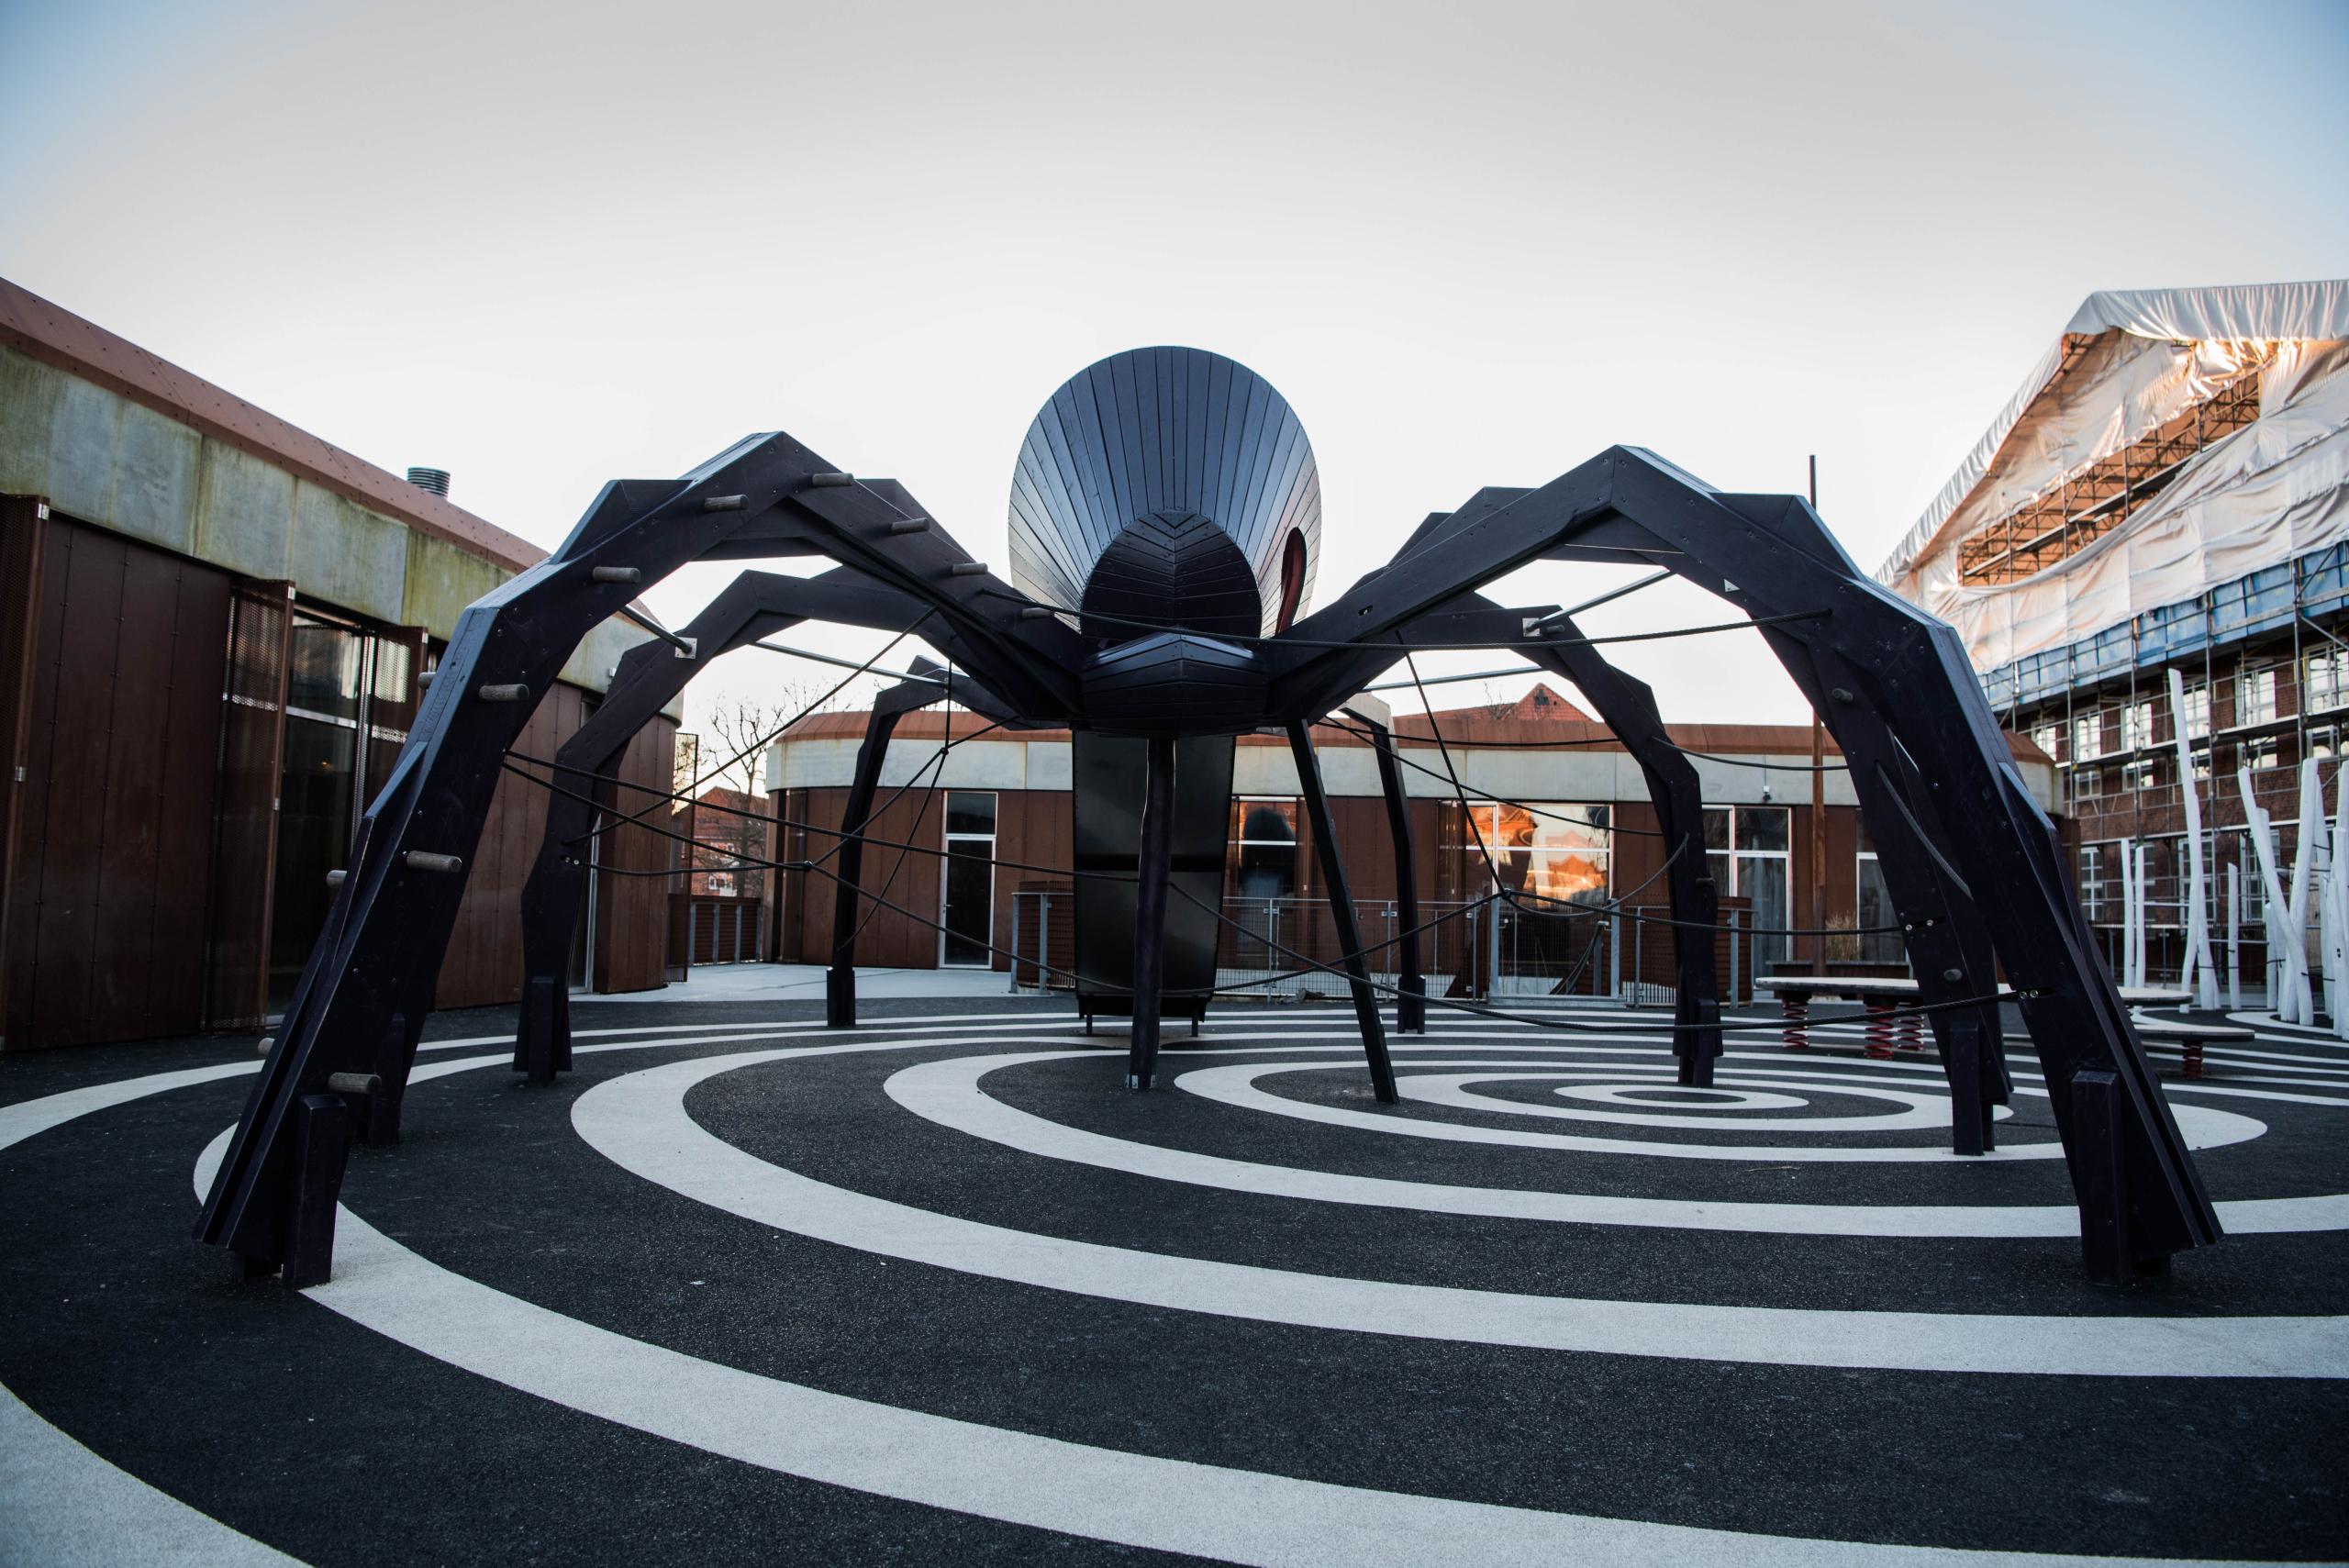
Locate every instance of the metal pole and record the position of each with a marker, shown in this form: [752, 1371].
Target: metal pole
[1732, 957]
[1014, 944]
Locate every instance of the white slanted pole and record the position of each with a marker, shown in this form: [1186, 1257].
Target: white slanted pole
[2304, 861]
[2336, 910]
[2284, 957]
[2144, 910]
[2201, 976]
[2235, 938]
[2128, 912]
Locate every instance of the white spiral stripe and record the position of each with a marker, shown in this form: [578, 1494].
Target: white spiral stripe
[639, 1122]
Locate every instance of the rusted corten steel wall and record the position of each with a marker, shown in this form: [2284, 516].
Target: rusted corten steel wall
[119, 746]
[136, 846]
[485, 958]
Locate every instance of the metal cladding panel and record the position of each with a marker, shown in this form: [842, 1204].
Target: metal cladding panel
[1162, 430]
[1106, 807]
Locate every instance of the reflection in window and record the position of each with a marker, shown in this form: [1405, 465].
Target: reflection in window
[1263, 839]
[1545, 850]
[1754, 868]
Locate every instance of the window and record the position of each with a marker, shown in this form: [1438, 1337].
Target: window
[2255, 696]
[2137, 775]
[2327, 686]
[2196, 707]
[349, 694]
[1874, 913]
[1746, 853]
[2087, 736]
[2097, 863]
[2088, 783]
[2257, 755]
[2325, 743]
[2048, 738]
[969, 883]
[2136, 726]
[1263, 839]
[1546, 850]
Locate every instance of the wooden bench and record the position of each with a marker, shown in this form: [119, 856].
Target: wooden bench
[1886, 1030]
[2189, 1037]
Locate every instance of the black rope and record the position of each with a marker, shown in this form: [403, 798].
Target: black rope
[1306, 965]
[1284, 639]
[719, 771]
[1608, 740]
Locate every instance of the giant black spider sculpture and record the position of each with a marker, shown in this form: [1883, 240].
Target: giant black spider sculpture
[1165, 535]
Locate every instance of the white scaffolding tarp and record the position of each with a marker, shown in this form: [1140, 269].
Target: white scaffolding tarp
[2129, 363]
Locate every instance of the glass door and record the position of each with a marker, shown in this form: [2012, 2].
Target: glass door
[969, 883]
[349, 697]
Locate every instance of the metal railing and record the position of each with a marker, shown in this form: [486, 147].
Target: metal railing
[1477, 949]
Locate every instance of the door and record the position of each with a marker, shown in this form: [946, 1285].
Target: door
[969, 883]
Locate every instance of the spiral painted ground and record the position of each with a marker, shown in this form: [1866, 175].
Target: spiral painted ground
[939, 1290]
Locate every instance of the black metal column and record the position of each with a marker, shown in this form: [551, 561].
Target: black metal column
[1411, 986]
[1149, 911]
[839, 981]
[1342, 912]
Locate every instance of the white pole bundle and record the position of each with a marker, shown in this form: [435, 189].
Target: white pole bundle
[2304, 860]
[2335, 911]
[2235, 938]
[2201, 976]
[2287, 959]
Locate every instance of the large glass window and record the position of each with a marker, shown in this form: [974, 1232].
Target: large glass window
[347, 695]
[1878, 942]
[1546, 850]
[2136, 726]
[2198, 710]
[1264, 847]
[969, 883]
[1746, 851]
[2087, 736]
[2255, 695]
[2327, 686]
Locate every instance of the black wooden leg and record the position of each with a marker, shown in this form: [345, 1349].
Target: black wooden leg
[839, 981]
[1149, 911]
[534, 1050]
[1411, 1001]
[380, 1117]
[1969, 1118]
[1342, 913]
[321, 1145]
[2101, 1173]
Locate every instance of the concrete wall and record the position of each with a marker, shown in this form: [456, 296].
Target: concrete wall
[101, 457]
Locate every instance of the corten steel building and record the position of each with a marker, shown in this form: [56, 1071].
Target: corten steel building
[212, 630]
[2168, 491]
[1548, 802]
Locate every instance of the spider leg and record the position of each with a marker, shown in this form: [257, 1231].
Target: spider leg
[368, 985]
[1342, 912]
[755, 605]
[1410, 984]
[1982, 885]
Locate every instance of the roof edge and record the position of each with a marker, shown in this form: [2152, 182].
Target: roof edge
[51, 333]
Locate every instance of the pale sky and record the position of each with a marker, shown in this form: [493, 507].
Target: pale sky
[543, 246]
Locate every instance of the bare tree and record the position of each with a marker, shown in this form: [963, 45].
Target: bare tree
[731, 780]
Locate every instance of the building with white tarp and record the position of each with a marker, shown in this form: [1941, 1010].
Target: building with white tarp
[2167, 491]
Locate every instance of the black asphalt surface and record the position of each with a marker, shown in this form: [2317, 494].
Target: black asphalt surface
[294, 1424]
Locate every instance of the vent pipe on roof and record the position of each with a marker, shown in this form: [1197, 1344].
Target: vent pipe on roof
[433, 479]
